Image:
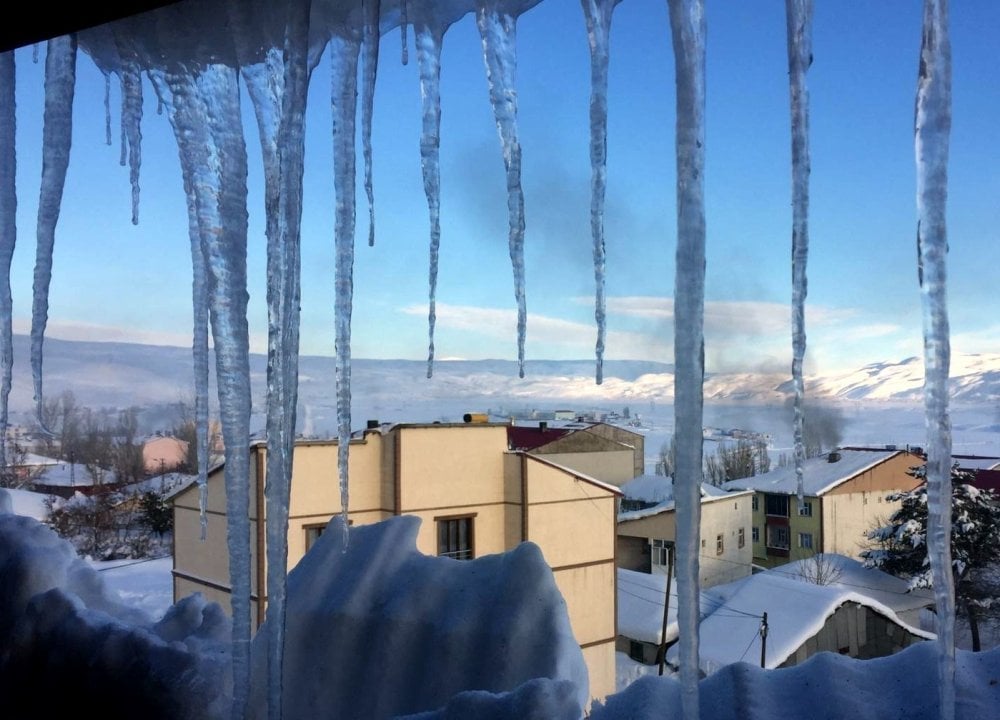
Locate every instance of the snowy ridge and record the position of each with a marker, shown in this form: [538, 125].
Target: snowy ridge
[825, 687]
[123, 374]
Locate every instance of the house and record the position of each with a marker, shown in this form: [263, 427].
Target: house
[802, 619]
[611, 453]
[163, 453]
[473, 495]
[844, 497]
[65, 478]
[647, 531]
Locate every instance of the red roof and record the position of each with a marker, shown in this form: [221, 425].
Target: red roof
[987, 480]
[529, 438]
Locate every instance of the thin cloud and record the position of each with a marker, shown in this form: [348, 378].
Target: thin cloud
[93, 332]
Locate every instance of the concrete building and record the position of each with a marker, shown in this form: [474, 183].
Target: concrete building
[473, 495]
[844, 497]
[646, 535]
[611, 453]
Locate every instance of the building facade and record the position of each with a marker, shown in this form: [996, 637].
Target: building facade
[473, 495]
[844, 497]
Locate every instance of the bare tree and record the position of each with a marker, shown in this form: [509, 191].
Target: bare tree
[820, 569]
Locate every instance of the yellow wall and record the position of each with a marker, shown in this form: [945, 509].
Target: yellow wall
[440, 471]
[610, 466]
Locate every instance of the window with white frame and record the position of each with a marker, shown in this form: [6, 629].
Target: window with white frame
[753, 502]
[741, 538]
[806, 509]
[661, 552]
[806, 540]
[755, 534]
[719, 547]
[778, 537]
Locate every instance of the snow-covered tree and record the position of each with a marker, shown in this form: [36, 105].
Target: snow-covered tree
[901, 545]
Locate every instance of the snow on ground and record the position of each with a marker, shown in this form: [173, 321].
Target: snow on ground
[144, 584]
[116, 661]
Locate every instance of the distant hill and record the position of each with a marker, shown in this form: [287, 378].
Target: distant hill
[122, 374]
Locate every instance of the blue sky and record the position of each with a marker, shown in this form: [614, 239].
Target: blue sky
[113, 281]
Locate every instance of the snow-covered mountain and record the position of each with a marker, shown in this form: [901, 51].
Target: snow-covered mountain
[121, 374]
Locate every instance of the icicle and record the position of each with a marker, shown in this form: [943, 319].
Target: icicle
[123, 135]
[8, 234]
[57, 136]
[344, 99]
[403, 22]
[199, 293]
[598, 16]
[687, 24]
[371, 40]
[278, 89]
[107, 109]
[205, 115]
[498, 30]
[799, 21]
[428, 41]
[132, 124]
[932, 130]
[34, 53]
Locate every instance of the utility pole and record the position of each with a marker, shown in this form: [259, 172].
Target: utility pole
[763, 639]
[666, 607]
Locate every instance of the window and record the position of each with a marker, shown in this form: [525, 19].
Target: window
[741, 538]
[314, 531]
[776, 505]
[455, 537]
[806, 540]
[778, 537]
[806, 510]
[718, 545]
[755, 534]
[753, 502]
[635, 651]
[661, 552]
[312, 534]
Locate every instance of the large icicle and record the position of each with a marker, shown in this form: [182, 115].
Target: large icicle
[798, 16]
[57, 136]
[344, 51]
[403, 22]
[932, 131]
[131, 76]
[107, 108]
[687, 24]
[278, 84]
[371, 9]
[498, 28]
[8, 234]
[598, 15]
[199, 346]
[428, 41]
[204, 111]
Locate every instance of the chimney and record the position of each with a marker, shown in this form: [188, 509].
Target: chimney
[834, 456]
[543, 426]
[373, 424]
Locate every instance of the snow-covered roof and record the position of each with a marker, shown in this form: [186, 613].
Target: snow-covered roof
[33, 459]
[660, 490]
[649, 488]
[850, 574]
[640, 606]
[819, 474]
[25, 503]
[797, 610]
[976, 462]
[67, 474]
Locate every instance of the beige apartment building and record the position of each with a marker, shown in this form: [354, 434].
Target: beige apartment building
[645, 537]
[474, 497]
